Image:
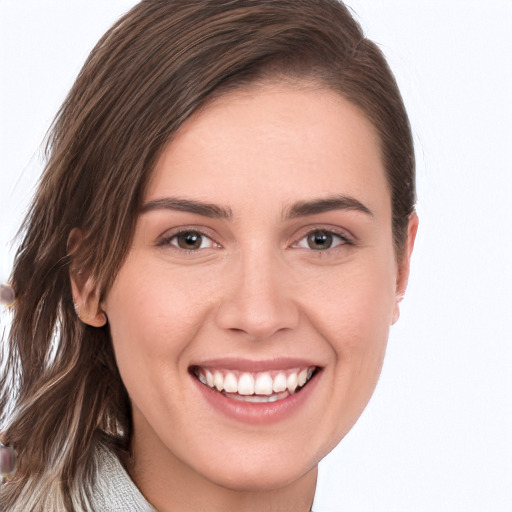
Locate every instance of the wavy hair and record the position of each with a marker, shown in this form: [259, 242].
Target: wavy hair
[149, 73]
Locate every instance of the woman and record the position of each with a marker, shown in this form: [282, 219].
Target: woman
[211, 264]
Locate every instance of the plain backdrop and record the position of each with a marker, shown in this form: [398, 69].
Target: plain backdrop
[437, 435]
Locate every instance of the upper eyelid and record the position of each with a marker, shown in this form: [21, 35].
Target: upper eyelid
[304, 232]
[342, 233]
[168, 235]
[345, 241]
[331, 231]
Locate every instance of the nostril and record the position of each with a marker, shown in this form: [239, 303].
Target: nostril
[258, 320]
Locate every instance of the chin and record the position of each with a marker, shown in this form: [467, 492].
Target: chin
[264, 468]
[259, 478]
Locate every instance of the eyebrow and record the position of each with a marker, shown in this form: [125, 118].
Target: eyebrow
[299, 209]
[187, 205]
[326, 204]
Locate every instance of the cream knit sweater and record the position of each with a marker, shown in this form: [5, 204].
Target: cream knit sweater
[114, 490]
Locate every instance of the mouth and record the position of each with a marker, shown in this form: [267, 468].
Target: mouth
[255, 387]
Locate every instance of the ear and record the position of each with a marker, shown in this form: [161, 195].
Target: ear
[405, 263]
[86, 295]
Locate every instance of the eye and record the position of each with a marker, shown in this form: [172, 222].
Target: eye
[189, 240]
[321, 240]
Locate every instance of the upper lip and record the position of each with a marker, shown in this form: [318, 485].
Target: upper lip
[261, 365]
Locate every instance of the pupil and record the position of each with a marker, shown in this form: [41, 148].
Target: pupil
[319, 240]
[189, 240]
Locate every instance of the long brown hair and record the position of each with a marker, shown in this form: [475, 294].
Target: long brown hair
[157, 65]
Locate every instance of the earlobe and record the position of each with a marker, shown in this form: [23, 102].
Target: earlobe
[87, 302]
[85, 292]
[405, 264]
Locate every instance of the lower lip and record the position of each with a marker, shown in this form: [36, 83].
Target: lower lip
[259, 413]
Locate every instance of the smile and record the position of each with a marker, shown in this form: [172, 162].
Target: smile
[264, 386]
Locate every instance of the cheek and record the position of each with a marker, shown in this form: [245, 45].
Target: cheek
[153, 317]
[353, 309]
[353, 314]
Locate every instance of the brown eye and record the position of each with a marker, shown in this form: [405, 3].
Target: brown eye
[320, 240]
[190, 240]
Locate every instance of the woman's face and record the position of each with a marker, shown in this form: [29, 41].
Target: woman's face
[263, 258]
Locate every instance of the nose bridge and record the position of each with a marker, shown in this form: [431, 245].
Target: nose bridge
[259, 302]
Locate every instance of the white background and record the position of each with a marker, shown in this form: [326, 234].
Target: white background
[437, 435]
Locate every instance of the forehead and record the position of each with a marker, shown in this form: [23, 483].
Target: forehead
[273, 144]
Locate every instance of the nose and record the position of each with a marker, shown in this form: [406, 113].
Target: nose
[259, 299]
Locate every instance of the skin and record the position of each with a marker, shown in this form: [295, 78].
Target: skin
[255, 290]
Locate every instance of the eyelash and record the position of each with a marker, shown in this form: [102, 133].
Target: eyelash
[343, 240]
[168, 240]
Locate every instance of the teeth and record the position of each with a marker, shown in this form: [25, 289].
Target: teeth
[218, 381]
[257, 398]
[302, 377]
[246, 384]
[279, 382]
[263, 384]
[255, 387]
[292, 382]
[230, 383]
